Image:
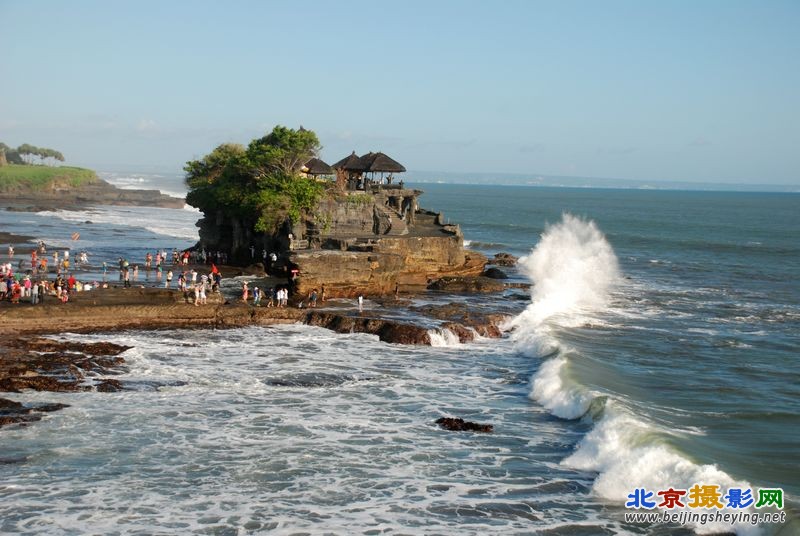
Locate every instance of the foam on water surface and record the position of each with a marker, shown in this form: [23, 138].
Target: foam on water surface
[298, 428]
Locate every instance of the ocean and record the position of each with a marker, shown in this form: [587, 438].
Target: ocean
[657, 348]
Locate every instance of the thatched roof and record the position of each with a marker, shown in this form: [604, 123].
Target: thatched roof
[379, 162]
[315, 166]
[367, 160]
[349, 163]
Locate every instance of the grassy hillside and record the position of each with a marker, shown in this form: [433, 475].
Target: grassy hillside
[17, 178]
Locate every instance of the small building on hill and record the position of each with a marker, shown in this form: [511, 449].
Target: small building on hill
[316, 168]
[364, 172]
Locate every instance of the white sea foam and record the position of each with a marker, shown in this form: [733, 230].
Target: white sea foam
[443, 337]
[289, 429]
[573, 269]
[164, 221]
[551, 392]
[628, 453]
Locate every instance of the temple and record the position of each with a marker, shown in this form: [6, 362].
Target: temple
[367, 235]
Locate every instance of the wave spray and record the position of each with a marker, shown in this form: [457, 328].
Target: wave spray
[574, 269]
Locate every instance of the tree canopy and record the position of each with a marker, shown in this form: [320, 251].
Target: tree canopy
[25, 153]
[260, 182]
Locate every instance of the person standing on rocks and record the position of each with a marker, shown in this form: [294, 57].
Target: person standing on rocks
[270, 296]
[360, 303]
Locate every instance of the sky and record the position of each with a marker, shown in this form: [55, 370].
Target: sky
[698, 91]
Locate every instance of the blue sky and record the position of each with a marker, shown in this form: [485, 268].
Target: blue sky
[687, 91]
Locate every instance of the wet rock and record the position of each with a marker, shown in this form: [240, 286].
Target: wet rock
[503, 259]
[50, 345]
[108, 386]
[463, 333]
[396, 333]
[457, 424]
[449, 311]
[13, 413]
[37, 383]
[467, 285]
[464, 320]
[386, 330]
[495, 273]
[47, 408]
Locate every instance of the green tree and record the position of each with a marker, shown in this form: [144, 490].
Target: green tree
[260, 184]
[283, 150]
[27, 152]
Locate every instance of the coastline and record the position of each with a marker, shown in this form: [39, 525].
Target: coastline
[33, 359]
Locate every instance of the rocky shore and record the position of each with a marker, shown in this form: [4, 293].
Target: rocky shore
[119, 309]
[30, 361]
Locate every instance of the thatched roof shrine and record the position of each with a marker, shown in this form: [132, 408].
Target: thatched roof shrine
[350, 163]
[315, 166]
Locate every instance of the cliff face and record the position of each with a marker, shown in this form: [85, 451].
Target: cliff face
[355, 243]
[404, 263]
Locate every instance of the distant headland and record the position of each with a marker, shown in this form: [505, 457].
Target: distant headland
[29, 185]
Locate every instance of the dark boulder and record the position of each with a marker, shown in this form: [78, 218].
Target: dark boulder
[495, 273]
[457, 424]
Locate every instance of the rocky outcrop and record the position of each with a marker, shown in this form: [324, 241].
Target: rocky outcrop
[405, 264]
[386, 330]
[467, 284]
[13, 412]
[95, 193]
[464, 321]
[495, 273]
[503, 259]
[457, 424]
[57, 366]
[367, 242]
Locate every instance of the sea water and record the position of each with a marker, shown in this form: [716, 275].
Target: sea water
[658, 347]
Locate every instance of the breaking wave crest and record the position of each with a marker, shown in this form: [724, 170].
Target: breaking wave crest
[574, 269]
[443, 337]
